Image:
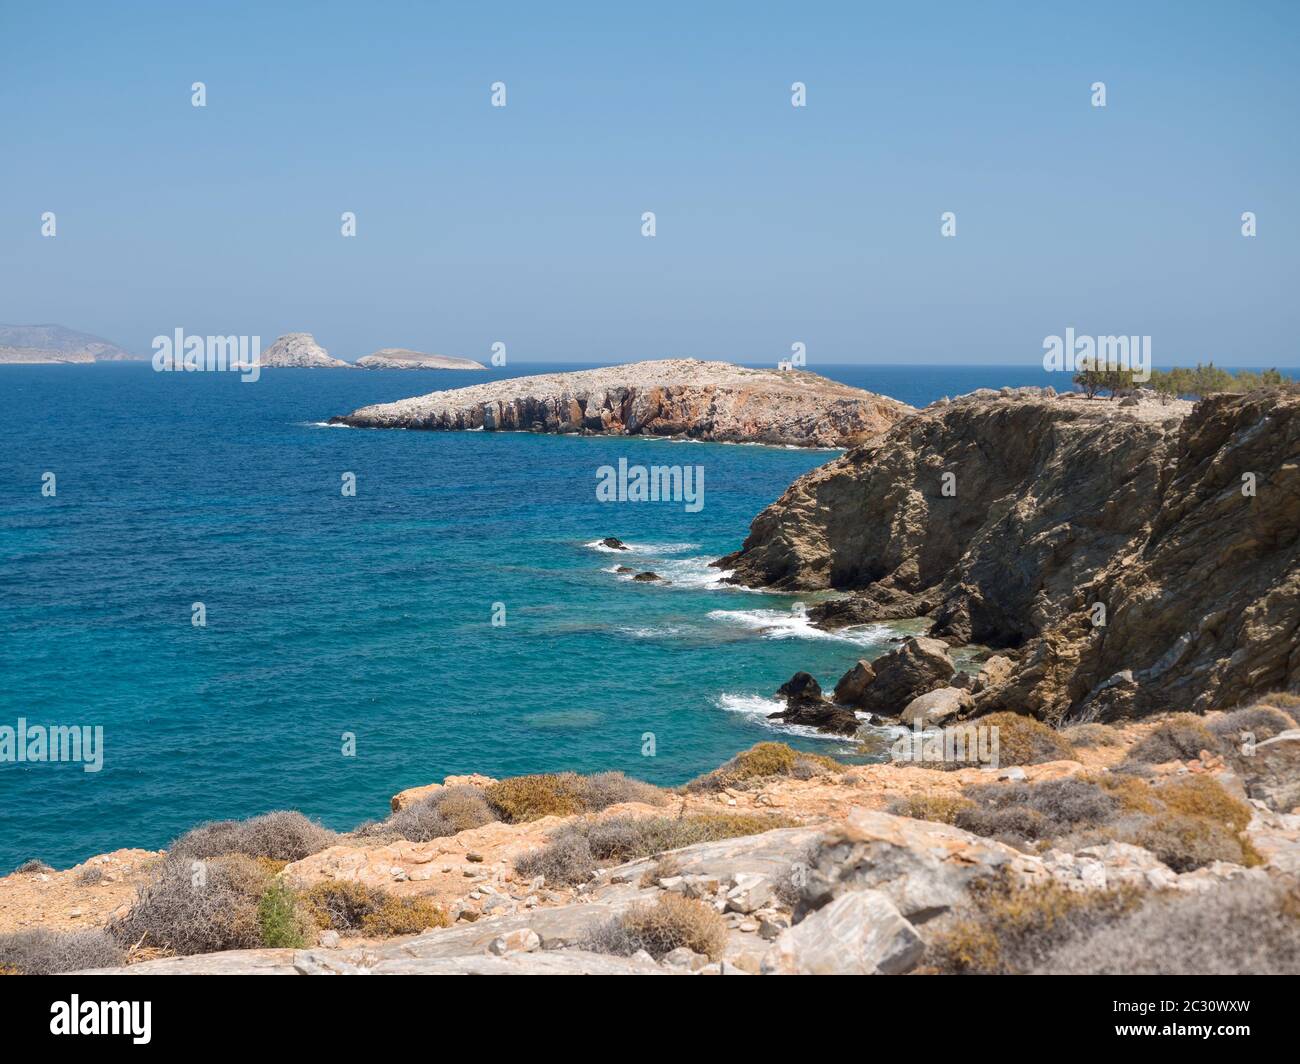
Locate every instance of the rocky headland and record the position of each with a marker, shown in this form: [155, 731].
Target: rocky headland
[1123, 557]
[401, 358]
[1094, 849]
[699, 400]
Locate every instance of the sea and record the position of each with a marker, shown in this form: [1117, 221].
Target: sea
[456, 613]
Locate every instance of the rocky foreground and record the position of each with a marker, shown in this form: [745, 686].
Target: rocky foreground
[1127, 557]
[1093, 849]
[678, 397]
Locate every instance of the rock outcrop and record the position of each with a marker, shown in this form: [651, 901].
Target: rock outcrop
[806, 706]
[676, 397]
[918, 667]
[1141, 557]
[401, 358]
[299, 351]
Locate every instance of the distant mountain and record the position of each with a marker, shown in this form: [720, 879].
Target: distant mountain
[401, 358]
[54, 343]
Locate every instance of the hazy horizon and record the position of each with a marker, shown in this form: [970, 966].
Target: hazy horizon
[775, 224]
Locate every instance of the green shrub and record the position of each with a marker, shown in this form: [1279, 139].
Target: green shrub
[669, 923]
[282, 923]
[278, 836]
[43, 952]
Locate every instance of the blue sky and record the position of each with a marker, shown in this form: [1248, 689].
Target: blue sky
[774, 224]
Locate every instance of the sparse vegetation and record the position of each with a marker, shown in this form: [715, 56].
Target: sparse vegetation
[90, 876]
[1081, 736]
[940, 808]
[1022, 740]
[1009, 930]
[526, 798]
[1180, 738]
[32, 867]
[765, 761]
[1231, 929]
[349, 906]
[278, 836]
[572, 855]
[444, 813]
[1261, 721]
[196, 906]
[672, 921]
[43, 952]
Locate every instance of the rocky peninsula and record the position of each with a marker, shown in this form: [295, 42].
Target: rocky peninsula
[1126, 557]
[713, 401]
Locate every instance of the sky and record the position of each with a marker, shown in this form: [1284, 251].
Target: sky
[774, 224]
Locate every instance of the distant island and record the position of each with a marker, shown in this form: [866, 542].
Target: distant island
[401, 358]
[54, 344]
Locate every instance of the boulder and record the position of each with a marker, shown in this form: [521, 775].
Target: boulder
[994, 672]
[1271, 772]
[647, 577]
[936, 706]
[805, 706]
[859, 933]
[613, 543]
[920, 665]
[852, 685]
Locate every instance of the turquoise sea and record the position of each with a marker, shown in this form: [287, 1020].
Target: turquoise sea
[368, 615]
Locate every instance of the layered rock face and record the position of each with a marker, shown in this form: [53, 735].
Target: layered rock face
[299, 351]
[1141, 557]
[401, 358]
[676, 397]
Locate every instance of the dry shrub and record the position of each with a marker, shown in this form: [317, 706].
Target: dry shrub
[1008, 930]
[196, 906]
[43, 952]
[940, 808]
[32, 867]
[571, 856]
[349, 906]
[279, 836]
[90, 876]
[446, 812]
[669, 923]
[1025, 812]
[404, 916]
[1233, 929]
[765, 761]
[1025, 741]
[526, 798]
[1181, 738]
[1081, 736]
[1263, 722]
[1286, 701]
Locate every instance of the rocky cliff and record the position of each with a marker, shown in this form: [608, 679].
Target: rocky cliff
[702, 400]
[300, 351]
[1138, 556]
[401, 358]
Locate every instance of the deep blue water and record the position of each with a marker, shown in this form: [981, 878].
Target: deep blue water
[371, 614]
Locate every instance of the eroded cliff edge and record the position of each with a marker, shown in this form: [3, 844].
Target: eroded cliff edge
[713, 401]
[1011, 518]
